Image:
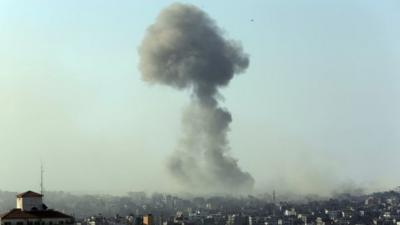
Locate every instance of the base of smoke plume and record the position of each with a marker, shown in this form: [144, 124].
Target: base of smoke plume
[201, 161]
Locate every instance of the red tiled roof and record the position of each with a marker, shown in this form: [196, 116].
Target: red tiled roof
[29, 194]
[40, 214]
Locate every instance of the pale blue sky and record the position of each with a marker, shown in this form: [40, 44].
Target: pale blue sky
[317, 108]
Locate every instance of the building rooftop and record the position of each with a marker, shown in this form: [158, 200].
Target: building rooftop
[19, 214]
[29, 194]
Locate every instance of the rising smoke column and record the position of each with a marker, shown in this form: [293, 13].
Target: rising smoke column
[184, 48]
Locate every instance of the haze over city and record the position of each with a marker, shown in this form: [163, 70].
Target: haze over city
[307, 100]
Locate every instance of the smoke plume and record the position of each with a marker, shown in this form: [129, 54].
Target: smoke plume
[185, 49]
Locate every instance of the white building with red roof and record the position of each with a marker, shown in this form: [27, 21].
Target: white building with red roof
[30, 210]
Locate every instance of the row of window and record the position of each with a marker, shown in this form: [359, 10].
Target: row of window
[35, 223]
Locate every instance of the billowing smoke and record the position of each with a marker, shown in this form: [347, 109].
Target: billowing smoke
[184, 48]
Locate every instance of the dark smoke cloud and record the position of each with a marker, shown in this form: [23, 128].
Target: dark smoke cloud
[184, 48]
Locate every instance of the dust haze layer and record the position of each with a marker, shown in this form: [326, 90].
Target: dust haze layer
[185, 49]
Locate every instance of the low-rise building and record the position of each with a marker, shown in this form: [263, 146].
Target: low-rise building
[30, 210]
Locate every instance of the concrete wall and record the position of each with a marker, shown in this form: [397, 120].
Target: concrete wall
[27, 204]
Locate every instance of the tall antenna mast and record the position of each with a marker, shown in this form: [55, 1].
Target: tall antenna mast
[41, 178]
[273, 196]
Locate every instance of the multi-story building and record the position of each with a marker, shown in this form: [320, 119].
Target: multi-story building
[30, 210]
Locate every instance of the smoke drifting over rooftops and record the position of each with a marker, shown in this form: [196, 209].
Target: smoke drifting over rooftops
[185, 49]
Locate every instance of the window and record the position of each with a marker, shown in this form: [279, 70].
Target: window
[30, 223]
[20, 223]
[61, 222]
[50, 222]
[37, 223]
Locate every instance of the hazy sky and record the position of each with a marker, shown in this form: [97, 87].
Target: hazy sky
[316, 110]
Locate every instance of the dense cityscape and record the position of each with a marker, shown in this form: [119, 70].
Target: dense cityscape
[377, 208]
[138, 208]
